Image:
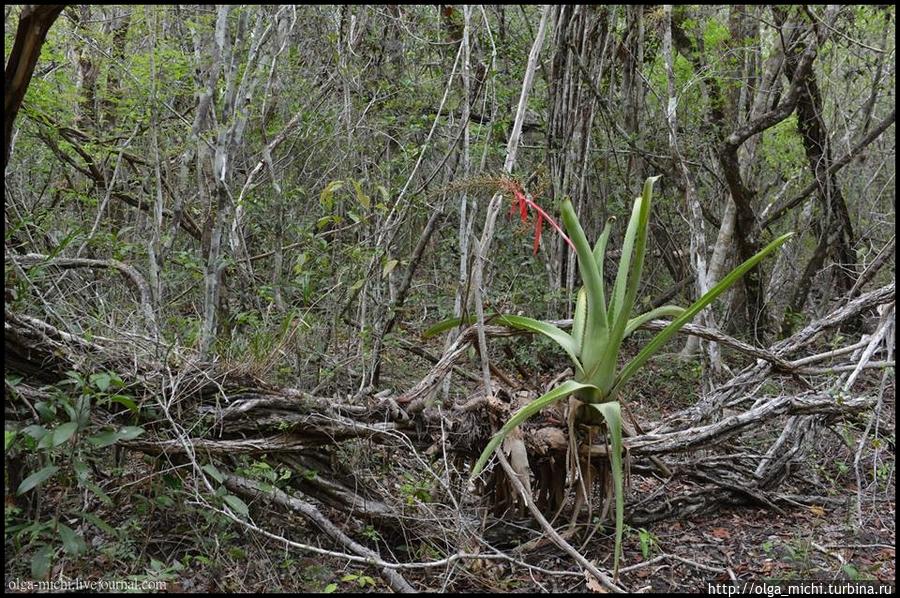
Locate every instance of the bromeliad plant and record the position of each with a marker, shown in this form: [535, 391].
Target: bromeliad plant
[600, 325]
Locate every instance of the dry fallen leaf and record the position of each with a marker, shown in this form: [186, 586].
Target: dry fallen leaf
[817, 510]
[594, 584]
[721, 533]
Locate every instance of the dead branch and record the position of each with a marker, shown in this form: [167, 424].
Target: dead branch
[131, 275]
[312, 514]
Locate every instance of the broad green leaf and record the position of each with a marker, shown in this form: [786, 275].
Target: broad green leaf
[101, 381]
[563, 339]
[640, 249]
[97, 522]
[127, 402]
[632, 268]
[239, 506]
[560, 392]
[612, 413]
[72, 542]
[114, 380]
[46, 442]
[64, 432]
[76, 377]
[9, 438]
[105, 438]
[109, 437]
[330, 588]
[36, 431]
[360, 196]
[600, 257]
[617, 300]
[636, 266]
[666, 333]
[45, 410]
[213, 471]
[37, 478]
[326, 197]
[388, 267]
[448, 324]
[130, 432]
[590, 274]
[659, 312]
[40, 561]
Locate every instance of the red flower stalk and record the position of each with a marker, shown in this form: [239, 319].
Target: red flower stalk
[523, 202]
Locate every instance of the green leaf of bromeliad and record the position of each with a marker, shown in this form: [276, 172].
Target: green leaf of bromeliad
[580, 320]
[590, 273]
[659, 340]
[612, 413]
[561, 338]
[665, 310]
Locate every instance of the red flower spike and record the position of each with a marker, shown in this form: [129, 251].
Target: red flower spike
[523, 202]
[523, 208]
[546, 216]
[537, 232]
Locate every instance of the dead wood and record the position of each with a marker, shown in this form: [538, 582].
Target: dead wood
[704, 446]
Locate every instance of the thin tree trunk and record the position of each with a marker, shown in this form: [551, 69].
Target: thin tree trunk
[459, 300]
[696, 221]
[34, 23]
[487, 234]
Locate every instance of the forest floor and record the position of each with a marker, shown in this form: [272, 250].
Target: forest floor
[154, 538]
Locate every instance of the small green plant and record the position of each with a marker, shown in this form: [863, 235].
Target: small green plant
[371, 533]
[850, 571]
[415, 490]
[361, 580]
[600, 326]
[63, 445]
[648, 542]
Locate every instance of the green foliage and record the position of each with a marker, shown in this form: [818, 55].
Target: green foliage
[415, 490]
[598, 329]
[781, 147]
[62, 445]
[648, 542]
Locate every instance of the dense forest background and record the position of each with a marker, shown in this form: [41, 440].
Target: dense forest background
[226, 228]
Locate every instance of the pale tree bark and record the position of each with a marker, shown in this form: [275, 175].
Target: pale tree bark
[232, 125]
[458, 302]
[154, 245]
[579, 41]
[487, 234]
[696, 220]
[221, 171]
